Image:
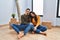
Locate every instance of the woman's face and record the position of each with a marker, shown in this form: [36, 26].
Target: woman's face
[32, 15]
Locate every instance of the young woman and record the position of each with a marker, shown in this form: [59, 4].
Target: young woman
[36, 22]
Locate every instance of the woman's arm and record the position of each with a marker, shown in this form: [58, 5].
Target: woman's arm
[38, 21]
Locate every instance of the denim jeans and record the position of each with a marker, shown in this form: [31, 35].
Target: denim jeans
[41, 29]
[25, 27]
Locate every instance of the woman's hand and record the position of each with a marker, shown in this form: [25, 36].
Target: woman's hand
[35, 28]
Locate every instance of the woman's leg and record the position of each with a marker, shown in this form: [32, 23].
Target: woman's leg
[42, 28]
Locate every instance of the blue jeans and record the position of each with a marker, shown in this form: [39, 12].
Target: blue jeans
[25, 27]
[41, 29]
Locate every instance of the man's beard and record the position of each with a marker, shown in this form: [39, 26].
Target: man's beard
[27, 13]
[33, 17]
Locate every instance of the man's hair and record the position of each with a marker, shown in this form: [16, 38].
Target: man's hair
[27, 9]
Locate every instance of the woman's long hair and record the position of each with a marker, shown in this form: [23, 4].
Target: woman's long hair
[35, 17]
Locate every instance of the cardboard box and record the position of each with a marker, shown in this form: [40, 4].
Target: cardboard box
[47, 24]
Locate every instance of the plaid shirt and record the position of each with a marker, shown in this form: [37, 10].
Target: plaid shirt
[25, 19]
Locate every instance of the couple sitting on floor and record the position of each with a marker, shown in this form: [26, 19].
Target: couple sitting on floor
[29, 22]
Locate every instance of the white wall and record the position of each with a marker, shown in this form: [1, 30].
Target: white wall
[49, 12]
[7, 7]
[29, 4]
[5, 10]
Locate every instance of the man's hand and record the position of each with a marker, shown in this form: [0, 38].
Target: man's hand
[35, 28]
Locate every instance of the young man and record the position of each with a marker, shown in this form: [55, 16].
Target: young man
[25, 24]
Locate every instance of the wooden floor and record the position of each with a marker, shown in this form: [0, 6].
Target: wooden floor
[7, 34]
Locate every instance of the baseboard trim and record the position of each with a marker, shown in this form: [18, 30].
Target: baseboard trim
[4, 25]
[56, 26]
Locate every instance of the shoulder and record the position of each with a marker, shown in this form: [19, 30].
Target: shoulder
[22, 15]
[38, 16]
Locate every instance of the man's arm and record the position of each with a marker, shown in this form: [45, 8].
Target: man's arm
[23, 19]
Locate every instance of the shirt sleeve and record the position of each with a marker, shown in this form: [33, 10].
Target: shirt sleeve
[38, 21]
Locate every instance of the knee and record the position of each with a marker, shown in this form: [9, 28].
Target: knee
[31, 26]
[30, 23]
[37, 31]
[45, 28]
[12, 25]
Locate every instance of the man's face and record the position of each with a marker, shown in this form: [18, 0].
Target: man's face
[27, 12]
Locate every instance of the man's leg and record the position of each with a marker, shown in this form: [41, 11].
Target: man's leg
[15, 27]
[29, 27]
[22, 26]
